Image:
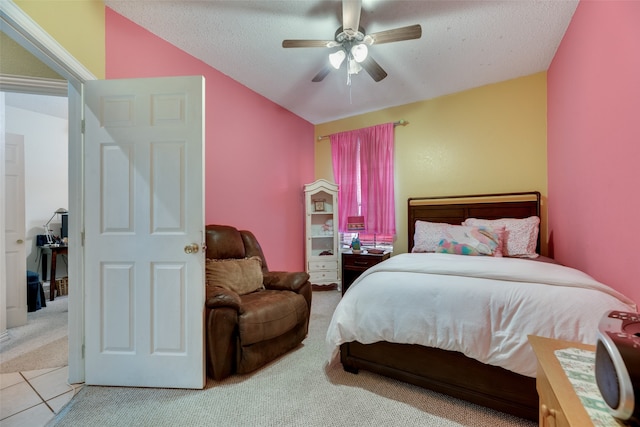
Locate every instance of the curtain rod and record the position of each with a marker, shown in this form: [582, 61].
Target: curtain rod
[398, 123]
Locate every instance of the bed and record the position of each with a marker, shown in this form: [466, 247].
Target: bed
[486, 360]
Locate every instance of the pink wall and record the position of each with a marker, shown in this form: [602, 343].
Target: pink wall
[594, 144]
[258, 155]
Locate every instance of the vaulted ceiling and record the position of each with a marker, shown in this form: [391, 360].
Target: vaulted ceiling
[464, 44]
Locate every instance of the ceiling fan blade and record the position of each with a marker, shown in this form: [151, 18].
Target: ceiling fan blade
[373, 68]
[309, 43]
[322, 74]
[351, 16]
[405, 33]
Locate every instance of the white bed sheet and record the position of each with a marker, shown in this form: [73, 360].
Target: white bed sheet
[483, 307]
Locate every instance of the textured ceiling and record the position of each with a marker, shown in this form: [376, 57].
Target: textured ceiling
[464, 44]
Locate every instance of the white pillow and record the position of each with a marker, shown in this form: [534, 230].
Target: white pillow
[521, 235]
[427, 235]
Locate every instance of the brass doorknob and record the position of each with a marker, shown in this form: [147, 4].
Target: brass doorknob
[20, 241]
[192, 248]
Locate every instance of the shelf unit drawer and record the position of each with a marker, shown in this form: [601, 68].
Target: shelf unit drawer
[323, 276]
[323, 265]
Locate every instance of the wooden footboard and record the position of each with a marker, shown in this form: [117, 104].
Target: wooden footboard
[446, 372]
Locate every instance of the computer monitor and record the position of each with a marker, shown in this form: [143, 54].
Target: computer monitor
[64, 230]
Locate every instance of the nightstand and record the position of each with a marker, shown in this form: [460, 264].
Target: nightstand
[559, 404]
[353, 265]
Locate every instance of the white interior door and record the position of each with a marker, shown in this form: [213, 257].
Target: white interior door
[144, 203]
[15, 251]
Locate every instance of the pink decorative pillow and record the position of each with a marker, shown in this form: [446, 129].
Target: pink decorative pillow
[465, 240]
[428, 235]
[521, 235]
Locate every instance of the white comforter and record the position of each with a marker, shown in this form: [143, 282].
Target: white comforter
[483, 307]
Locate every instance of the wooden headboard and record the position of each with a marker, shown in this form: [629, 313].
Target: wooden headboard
[456, 209]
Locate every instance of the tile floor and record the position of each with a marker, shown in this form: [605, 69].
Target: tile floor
[32, 398]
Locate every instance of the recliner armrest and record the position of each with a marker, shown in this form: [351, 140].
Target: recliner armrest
[217, 297]
[285, 280]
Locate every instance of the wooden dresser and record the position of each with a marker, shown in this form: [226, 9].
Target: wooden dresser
[559, 404]
[353, 265]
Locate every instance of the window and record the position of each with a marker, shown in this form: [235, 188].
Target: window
[363, 169]
[384, 242]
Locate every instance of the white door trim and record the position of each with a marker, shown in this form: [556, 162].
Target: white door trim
[32, 85]
[14, 231]
[27, 33]
[31, 36]
[4, 335]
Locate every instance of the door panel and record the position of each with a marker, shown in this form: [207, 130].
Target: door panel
[144, 204]
[15, 251]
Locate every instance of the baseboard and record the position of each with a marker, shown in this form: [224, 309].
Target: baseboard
[331, 287]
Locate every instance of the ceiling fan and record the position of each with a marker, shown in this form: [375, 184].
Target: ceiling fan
[353, 43]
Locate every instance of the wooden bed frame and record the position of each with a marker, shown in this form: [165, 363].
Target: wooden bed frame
[445, 371]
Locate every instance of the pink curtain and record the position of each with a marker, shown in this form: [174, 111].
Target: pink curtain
[363, 160]
[376, 164]
[344, 155]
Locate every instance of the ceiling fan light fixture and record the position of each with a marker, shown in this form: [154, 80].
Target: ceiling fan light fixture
[353, 67]
[336, 58]
[353, 44]
[360, 52]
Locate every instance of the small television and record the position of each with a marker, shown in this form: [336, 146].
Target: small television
[64, 230]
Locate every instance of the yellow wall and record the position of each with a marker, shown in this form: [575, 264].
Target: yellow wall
[17, 61]
[490, 139]
[78, 25]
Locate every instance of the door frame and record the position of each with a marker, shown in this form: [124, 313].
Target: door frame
[16, 306]
[28, 34]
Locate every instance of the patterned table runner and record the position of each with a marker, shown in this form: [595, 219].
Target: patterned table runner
[579, 366]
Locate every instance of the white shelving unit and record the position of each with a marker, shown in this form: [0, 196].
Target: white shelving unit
[321, 230]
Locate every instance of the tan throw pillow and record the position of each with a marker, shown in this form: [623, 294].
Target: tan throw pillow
[241, 276]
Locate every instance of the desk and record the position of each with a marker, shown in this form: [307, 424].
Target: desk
[55, 250]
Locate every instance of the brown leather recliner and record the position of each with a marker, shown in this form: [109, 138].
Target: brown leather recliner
[245, 332]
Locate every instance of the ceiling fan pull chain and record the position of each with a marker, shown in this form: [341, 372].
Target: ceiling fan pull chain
[350, 101]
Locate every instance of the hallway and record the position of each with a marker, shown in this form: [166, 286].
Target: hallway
[32, 398]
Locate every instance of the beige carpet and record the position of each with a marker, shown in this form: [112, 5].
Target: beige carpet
[41, 343]
[299, 389]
